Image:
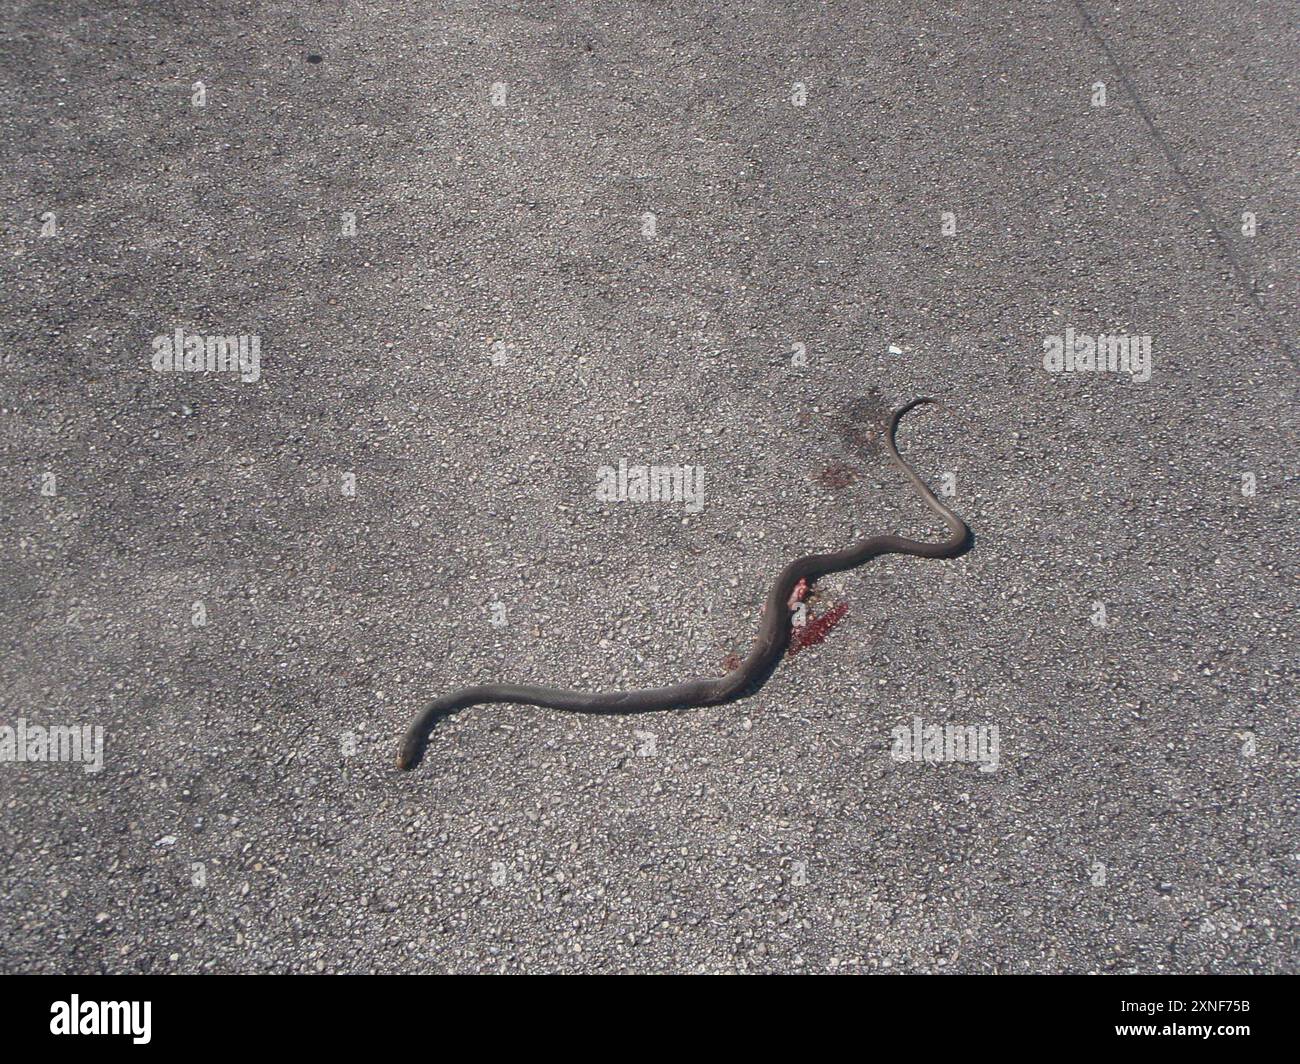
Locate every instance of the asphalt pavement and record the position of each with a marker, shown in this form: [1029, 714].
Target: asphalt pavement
[473, 253]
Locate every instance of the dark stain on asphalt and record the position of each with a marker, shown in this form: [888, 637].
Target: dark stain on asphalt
[861, 422]
[836, 476]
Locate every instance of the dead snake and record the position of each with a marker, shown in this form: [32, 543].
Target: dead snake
[773, 633]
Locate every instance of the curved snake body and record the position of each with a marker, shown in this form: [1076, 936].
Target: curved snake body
[773, 633]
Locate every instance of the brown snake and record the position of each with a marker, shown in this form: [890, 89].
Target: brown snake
[773, 632]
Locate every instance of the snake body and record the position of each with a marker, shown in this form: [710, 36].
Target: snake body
[773, 633]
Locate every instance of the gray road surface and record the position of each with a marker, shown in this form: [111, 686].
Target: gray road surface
[434, 218]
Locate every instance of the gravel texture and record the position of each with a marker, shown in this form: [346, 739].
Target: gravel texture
[416, 461]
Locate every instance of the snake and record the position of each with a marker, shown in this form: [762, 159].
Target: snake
[769, 646]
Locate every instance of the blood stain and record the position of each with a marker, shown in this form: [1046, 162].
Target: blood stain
[816, 629]
[836, 476]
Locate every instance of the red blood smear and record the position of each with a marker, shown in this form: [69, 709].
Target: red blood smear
[836, 476]
[815, 629]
